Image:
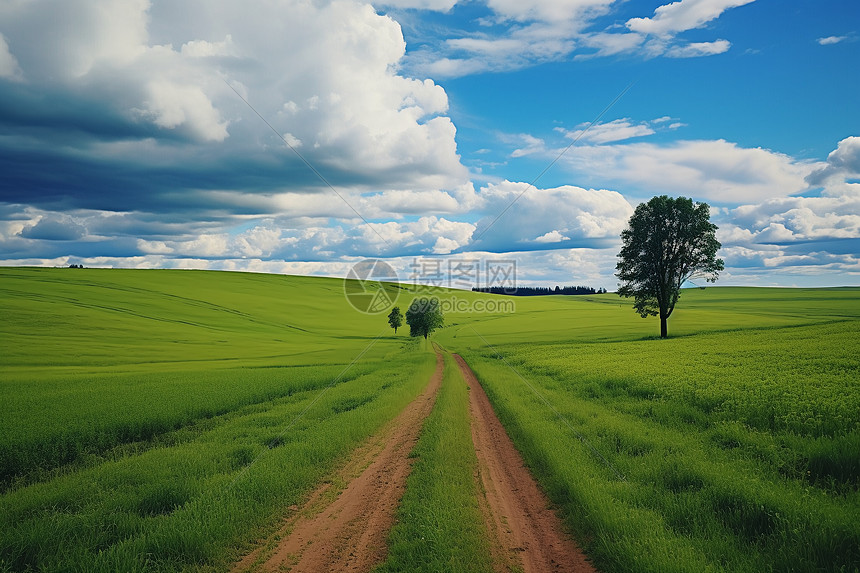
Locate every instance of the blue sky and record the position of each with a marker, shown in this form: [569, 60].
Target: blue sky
[125, 140]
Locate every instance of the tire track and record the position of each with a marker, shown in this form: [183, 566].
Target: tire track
[347, 530]
[527, 535]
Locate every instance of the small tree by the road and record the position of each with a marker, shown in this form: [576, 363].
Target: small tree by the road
[395, 318]
[424, 316]
[667, 241]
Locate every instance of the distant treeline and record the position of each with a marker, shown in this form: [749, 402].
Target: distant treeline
[539, 291]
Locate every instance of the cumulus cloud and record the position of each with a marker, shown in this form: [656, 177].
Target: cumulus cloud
[552, 237]
[30, 233]
[523, 217]
[718, 170]
[54, 228]
[796, 219]
[143, 95]
[842, 163]
[169, 105]
[799, 236]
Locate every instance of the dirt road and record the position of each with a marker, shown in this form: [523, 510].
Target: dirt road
[528, 536]
[347, 530]
[344, 525]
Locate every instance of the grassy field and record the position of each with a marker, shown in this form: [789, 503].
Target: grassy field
[164, 420]
[734, 446]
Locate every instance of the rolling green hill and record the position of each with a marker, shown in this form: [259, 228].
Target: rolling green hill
[161, 420]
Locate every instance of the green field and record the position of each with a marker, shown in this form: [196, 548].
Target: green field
[164, 420]
[733, 446]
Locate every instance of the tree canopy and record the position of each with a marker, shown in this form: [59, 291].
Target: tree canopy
[424, 316]
[395, 318]
[667, 241]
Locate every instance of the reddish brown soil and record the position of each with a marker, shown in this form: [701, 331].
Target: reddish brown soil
[347, 530]
[344, 524]
[528, 536]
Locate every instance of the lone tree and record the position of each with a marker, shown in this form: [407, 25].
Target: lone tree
[666, 242]
[424, 316]
[395, 319]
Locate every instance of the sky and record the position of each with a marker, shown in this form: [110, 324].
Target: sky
[302, 136]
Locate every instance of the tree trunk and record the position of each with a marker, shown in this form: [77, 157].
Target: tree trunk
[664, 330]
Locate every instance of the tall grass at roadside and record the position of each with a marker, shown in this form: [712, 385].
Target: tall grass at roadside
[734, 451]
[440, 527]
[47, 423]
[197, 504]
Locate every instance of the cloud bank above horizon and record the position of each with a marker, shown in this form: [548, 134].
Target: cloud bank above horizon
[303, 136]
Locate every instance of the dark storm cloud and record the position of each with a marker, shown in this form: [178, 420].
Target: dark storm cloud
[63, 116]
[54, 230]
[126, 107]
[56, 178]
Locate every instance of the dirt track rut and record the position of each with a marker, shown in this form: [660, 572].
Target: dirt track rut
[350, 532]
[527, 534]
[344, 524]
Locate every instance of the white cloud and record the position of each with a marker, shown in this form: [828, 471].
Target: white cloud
[204, 49]
[170, 105]
[521, 46]
[75, 35]
[718, 170]
[829, 40]
[427, 234]
[292, 140]
[552, 237]
[527, 33]
[9, 68]
[153, 247]
[261, 241]
[436, 5]
[610, 44]
[283, 239]
[532, 145]
[798, 219]
[842, 163]
[616, 130]
[683, 15]
[698, 49]
[532, 217]
[575, 12]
